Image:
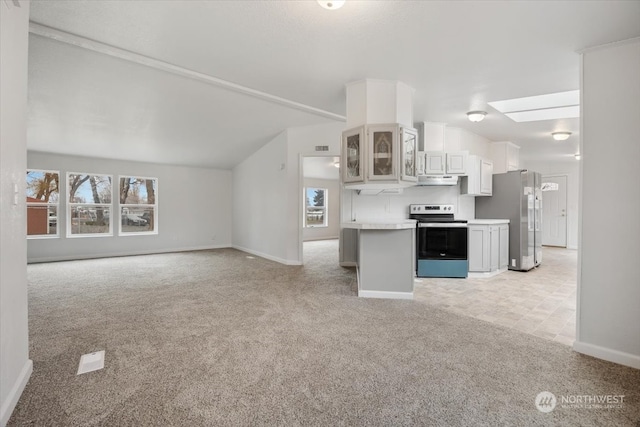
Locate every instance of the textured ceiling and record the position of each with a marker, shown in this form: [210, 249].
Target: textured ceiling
[457, 55]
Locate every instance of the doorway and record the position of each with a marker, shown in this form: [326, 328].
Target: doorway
[320, 207]
[554, 211]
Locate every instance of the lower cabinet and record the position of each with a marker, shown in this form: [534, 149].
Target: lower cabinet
[488, 247]
[503, 230]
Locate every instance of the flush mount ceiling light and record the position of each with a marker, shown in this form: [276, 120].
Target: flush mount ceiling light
[476, 116]
[331, 4]
[561, 136]
[560, 105]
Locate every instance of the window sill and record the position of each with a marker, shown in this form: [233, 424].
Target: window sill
[140, 233]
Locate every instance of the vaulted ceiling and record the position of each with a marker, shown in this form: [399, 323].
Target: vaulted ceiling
[101, 81]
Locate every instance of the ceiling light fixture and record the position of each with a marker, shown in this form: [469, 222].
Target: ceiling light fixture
[476, 116]
[331, 4]
[561, 136]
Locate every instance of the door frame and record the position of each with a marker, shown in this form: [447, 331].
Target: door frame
[566, 203]
[301, 205]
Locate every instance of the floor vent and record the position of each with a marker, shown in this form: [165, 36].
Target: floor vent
[91, 362]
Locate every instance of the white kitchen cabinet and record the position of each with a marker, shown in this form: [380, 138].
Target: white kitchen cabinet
[435, 162]
[494, 247]
[488, 246]
[437, 159]
[431, 136]
[379, 156]
[479, 251]
[479, 179]
[503, 231]
[421, 163]
[505, 156]
[441, 163]
[457, 162]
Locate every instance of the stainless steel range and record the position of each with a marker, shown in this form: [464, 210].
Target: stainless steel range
[441, 241]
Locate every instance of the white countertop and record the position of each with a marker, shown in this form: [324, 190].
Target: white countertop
[401, 224]
[487, 221]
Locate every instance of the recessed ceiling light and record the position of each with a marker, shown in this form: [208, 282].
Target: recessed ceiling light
[331, 4]
[561, 136]
[560, 105]
[476, 116]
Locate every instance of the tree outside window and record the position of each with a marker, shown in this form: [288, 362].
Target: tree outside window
[138, 205]
[89, 205]
[43, 196]
[315, 207]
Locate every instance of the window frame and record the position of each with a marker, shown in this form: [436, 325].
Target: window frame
[125, 205]
[47, 204]
[70, 205]
[325, 207]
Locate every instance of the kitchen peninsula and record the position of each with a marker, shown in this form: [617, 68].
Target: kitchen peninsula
[385, 257]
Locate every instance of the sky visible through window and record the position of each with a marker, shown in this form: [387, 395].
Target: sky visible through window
[311, 194]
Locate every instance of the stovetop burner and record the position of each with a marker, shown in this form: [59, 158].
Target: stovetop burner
[433, 213]
[450, 220]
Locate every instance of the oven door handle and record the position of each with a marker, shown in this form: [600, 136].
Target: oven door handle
[442, 225]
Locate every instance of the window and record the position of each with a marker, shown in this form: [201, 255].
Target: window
[138, 205]
[315, 207]
[89, 205]
[550, 186]
[43, 196]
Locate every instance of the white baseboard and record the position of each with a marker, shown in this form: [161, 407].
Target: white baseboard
[385, 294]
[14, 394]
[119, 254]
[479, 275]
[267, 256]
[348, 264]
[317, 239]
[608, 354]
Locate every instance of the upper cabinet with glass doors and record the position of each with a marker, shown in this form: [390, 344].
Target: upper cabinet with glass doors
[379, 156]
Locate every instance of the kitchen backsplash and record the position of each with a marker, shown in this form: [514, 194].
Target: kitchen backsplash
[395, 206]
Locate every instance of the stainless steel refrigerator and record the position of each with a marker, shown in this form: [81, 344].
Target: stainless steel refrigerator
[517, 197]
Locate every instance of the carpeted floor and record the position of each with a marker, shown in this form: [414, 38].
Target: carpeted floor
[216, 338]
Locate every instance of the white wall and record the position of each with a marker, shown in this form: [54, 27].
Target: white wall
[302, 142]
[609, 284]
[194, 209]
[270, 182]
[570, 168]
[332, 231]
[15, 366]
[260, 208]
[458, 139]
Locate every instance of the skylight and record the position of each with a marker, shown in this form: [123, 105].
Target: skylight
[561, 105]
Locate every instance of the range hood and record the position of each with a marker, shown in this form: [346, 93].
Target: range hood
[437, 180]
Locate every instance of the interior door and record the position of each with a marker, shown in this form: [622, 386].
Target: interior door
[554, 211]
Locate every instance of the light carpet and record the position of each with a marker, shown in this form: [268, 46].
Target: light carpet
[216, 338]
